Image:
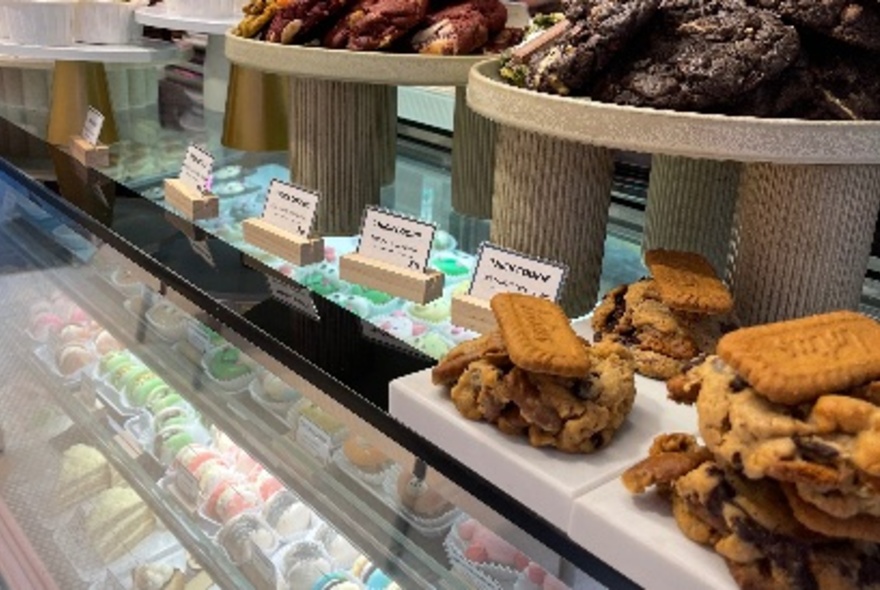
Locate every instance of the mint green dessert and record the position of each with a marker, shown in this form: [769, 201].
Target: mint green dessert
[226, 365]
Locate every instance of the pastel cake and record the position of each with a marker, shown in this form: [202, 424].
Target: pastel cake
[118, 522]
[84, 473]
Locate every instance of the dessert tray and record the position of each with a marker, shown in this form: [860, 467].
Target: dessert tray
[400, 69]
[158, 16]
[695, 135]
[555, 479]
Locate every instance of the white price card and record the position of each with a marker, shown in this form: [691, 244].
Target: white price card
[504, 271]
[517, 15]
[197, 168]
[396, 239]
[291, 208]
[294, 296]
[93, 125]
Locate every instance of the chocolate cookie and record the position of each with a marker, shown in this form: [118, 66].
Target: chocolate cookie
[663, 341]
[703, 64]
[855, 22]
[375, 24]
[847, 80]
[599, 32]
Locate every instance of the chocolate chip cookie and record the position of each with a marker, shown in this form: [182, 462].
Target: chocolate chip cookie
[847, 80]
[703, 64]
[663, 341]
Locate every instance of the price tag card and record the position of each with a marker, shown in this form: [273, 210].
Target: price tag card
[517, 15]
[93, 125]
[291, 208]
[505, 271]
[197, 167]
[396, 239]
[294, 296]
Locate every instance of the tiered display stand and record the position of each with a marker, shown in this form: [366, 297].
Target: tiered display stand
[343, 119]
[216, 76]
[803, 207]
[80, 80]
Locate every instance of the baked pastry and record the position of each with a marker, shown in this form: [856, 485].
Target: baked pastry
[156, 576]
[84, 473]
[854, 22]
[288, 515]
[296, 21]
[242, 533]
[375, 24]
[365, 458]
[568, 394]
[460, 29]
[422, 501]
[118, 521]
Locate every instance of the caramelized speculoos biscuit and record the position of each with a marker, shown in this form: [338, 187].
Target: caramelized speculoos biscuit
[539, 336]
[798, 360]
[862, 527]
[687, 282]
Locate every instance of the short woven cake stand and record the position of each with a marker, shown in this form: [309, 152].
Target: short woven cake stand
[80, 80]
[803, 208]
[343, 117]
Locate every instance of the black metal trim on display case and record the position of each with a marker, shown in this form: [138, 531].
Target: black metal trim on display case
[333, 354]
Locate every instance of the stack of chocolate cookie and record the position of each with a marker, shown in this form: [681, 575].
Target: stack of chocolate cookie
[536, 377]
[670, 319]
[787, 487]
[817, 59]
[443, 28]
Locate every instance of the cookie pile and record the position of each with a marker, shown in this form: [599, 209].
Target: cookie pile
[787, 486]
[766, 58]
[440, 28]
[667, 320]
[536, 377]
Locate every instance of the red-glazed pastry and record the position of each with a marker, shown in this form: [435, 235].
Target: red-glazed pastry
[296, 20]
[376, 24]
[229, 499]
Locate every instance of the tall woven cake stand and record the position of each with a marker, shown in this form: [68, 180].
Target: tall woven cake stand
[343, 116]
[803, 212]
[216, 76]
[80, 79]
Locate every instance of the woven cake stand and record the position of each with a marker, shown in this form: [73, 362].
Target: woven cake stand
[343, 119]
[803, 212]
[80, 80]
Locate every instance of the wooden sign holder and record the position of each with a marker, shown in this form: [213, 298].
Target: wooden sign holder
[93, 156]
[191, 202]
[420, 287]
[473, 313]
[284, 244]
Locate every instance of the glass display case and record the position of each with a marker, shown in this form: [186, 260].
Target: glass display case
[176, 411]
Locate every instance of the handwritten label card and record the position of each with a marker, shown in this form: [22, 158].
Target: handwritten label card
[517, 15]
[93, 125]
[197, 167]
[294, 296]
[291, 208]
[395, 239]
[504, 271]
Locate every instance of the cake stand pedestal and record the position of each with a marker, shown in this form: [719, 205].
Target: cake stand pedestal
[805, 205]
[343, 117]
[80, 80]
[216, 71]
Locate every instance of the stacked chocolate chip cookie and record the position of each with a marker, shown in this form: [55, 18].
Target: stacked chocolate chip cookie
[787, 487]
[815, 59]
[667, 320]
[536, 377]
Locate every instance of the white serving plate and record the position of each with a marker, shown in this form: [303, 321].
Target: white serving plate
[547, 481]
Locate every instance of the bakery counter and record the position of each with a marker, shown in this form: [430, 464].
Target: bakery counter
[253, 431]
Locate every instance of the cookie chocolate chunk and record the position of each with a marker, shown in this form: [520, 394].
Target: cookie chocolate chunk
[460, 29]
[856, 22]
[704, 63]
[375, 24]
[296, 21]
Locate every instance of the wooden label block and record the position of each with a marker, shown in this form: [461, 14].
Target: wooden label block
[473, 313]
[281, 243]
[190, 201]
[421, 287]
[93, 156]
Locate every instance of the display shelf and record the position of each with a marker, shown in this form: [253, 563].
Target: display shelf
[145, 52]
[159, 17]
[343, 112]
[556, 479]
[795, 176]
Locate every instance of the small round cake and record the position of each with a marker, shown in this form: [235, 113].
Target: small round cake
[288, 515]
[73, 357]
[240, 534]
[338, 547]
[369, 462]
[229, 499]
[423, 502]
[372, 577]
[305, 564]
[140, 391]
[45, 324]
[432, 344]
[105, 343]
[156, 576]
[454, 268]
[435, 312]
[336, 581]
[227, 368]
